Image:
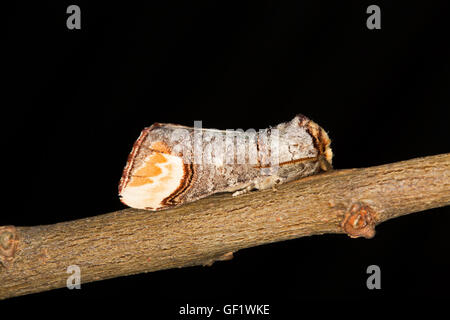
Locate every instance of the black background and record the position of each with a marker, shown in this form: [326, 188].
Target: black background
[76, 100]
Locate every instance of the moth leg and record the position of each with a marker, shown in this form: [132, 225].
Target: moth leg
[269, 182]
[261, 184]
[245, 190]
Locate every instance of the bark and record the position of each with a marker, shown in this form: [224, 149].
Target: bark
[34, 259]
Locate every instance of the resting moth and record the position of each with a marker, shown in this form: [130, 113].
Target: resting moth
[171, 164]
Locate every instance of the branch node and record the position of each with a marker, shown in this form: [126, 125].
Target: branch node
[359, 221]
[8, 245]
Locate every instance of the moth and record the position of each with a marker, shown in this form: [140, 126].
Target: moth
[171, 165]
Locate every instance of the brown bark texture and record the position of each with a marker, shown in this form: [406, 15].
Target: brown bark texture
[129, 241]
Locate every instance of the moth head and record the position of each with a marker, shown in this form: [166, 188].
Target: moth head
[320, 139]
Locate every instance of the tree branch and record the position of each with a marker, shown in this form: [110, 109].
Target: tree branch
[129, 241]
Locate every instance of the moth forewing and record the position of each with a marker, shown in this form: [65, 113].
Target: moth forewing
[172, 164]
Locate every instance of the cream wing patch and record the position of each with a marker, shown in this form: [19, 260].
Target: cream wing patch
[157, 178]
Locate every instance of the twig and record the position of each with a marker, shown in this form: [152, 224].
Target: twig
[129, 241]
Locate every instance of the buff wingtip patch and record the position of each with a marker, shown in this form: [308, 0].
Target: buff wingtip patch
[153, 177]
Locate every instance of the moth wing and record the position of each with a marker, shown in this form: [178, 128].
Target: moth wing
[157, 177]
